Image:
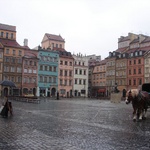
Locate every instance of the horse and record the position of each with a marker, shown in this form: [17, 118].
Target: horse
[140, 100]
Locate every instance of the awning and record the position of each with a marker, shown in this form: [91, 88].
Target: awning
[101, 90]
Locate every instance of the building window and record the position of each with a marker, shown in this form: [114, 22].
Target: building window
[140, 81]
[13, 60]
[65, 82]
[45, 79]
[76, 71]
[6, 35]
[129, 72]
[2, 34]
[19, 79]
[139, 61]
[19, 61]
[60, 81]
[54, 79]
[80, 81]
[30, 63]
[7, 51]
[61, 73]
[75, 81]
[134, 71]
[70, 73]
[70, 82]
[41, 79]
[34, 71]
[80, 72]
[12, 69]
[65, 72]
[84, 72]
[12, 36]
[66, 63]
[50, 68]
[84, 82]
[54, 69]
[60, 45]
[30, 70]
[25, 70]
[70, 63]
[45, 68]
[134, 82]
[129, 82]
[50, 79]
[41, 67]
[130, 62]
[18, 69]
[14, 52]
[139, 70]
[61, 62]
[134, 61]
[34, 63]
[20, 53]
[26, 62]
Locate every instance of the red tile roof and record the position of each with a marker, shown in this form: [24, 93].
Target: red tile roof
[55, 37]
[121, 50]
[7, 27]
[10, 43]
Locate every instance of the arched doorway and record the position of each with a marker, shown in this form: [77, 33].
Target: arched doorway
[53, 91]
[5, 92]
[25, 91]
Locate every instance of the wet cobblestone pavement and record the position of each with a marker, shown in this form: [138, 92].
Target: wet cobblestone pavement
[73, 125]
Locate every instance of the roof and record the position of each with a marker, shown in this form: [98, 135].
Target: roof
[10, 43]
[7, 27]
[55, 37]
[122, 39]
[121, 50]
[146, 40]
[135, 41]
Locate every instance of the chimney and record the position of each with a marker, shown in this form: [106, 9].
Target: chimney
[25, 42]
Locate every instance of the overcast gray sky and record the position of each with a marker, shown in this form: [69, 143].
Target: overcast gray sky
[88, 26]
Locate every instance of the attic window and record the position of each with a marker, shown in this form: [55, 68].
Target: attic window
[114, 54]
[140, 52]
[131, 54]
[124, 55]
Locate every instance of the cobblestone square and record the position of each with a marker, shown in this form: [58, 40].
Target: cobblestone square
[73, 124]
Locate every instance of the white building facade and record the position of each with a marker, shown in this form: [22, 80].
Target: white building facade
[80, 88]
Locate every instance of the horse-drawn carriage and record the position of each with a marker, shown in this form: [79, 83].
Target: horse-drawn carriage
[140, 99]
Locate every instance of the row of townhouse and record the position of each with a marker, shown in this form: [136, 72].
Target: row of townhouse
[41, 71]
[128, 66]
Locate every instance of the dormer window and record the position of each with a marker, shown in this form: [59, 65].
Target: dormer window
[131, 54]
[136, 53]
[140, 52]
[114, 54]
[124, 55]
[120, 56]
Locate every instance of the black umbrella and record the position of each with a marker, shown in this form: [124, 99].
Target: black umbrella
[7, 83]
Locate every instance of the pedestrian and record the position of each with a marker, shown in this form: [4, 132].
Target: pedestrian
[5, 109]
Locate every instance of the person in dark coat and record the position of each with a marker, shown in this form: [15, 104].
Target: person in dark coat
[5, 110]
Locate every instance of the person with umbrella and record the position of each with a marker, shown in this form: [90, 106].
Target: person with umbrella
[7, 107]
